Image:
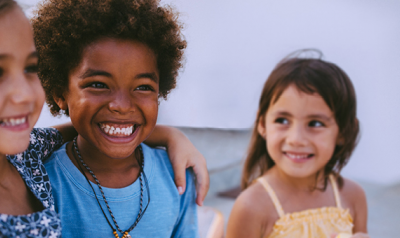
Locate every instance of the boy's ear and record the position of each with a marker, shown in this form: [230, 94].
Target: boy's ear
[261, 127]
[61, 102]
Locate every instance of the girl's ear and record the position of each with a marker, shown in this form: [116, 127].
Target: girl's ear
[61, 102]
[340, 140]
[261, 127]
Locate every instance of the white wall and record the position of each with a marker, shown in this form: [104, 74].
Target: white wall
[234, 44]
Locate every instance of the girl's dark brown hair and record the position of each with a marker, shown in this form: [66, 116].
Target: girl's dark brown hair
[7, 5]
[310, 76]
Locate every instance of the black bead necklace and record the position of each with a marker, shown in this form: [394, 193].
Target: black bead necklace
[141, 173]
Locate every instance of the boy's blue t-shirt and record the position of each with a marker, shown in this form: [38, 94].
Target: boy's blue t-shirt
[168, 214]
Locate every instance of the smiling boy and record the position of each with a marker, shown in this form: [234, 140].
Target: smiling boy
[106, 64]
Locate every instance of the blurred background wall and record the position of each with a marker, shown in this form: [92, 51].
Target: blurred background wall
[233, 45]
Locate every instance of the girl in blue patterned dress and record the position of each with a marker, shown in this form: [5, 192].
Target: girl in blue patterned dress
[26, 202]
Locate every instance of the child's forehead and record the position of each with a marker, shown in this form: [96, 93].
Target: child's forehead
[16, 35]
[294, 90]
[104, 49]
[116, 58]
[293, 100]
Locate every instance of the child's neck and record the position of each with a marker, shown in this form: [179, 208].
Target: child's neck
[111, 172]
[5, 167]
[306, 184]
[15, 197]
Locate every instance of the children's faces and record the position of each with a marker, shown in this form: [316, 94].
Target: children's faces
[300, 131]
[112, 97]
[21, 93]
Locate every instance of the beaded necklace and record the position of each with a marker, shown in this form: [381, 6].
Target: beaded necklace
[141, 212]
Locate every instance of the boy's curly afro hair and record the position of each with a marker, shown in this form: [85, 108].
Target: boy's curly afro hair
[63, 28]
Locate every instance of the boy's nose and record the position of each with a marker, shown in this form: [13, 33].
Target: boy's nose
[297, 136]
[122, 102]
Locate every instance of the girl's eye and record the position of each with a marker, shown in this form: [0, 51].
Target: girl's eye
[98, 85]
[282, 120]
[315, 124]
[31, 69]
[1, 72]
[144, 88]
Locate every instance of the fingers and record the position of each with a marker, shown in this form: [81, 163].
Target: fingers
[360, 235]
[180, 177]
[202, 182]
[356, 235]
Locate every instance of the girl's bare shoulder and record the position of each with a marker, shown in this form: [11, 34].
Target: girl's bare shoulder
[256, 199]
[353, 197]
[351, 191]
[253, 213]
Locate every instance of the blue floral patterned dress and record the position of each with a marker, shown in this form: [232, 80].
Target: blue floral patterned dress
[45, 223]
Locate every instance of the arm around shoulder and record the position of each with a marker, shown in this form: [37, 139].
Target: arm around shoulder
[182, 155]
[44, 141]
[187, 225]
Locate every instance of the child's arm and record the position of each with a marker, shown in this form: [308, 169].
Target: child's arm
[361, 211]
[247, 218]
[355, 194]
[67, 131]
[181, 151]
[43, 141]
[357, 235]
[182, 154]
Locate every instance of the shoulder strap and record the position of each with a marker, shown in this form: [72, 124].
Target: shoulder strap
[273, 196]
[335, 191]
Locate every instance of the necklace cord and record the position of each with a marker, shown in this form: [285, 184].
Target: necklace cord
[148, 195]
[141, 213]
[80, 167]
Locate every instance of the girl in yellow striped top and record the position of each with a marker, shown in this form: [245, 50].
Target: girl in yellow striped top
[305, 132]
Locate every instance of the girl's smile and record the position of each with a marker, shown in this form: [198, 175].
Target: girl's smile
[112, 98]
[15, 123]
[298, 157]
[300, 131]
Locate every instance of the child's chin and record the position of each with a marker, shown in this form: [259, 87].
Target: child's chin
[118, 155]
[15, 148]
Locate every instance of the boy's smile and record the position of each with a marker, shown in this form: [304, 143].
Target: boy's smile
[112, 98]
[118, 130]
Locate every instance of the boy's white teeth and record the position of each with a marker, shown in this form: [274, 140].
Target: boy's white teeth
[13, 121]
[111, 130]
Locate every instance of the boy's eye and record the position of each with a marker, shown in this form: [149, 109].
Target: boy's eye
[282, 120]
[315, 124]
[97, 85]
[144, 88]
[31, 69]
